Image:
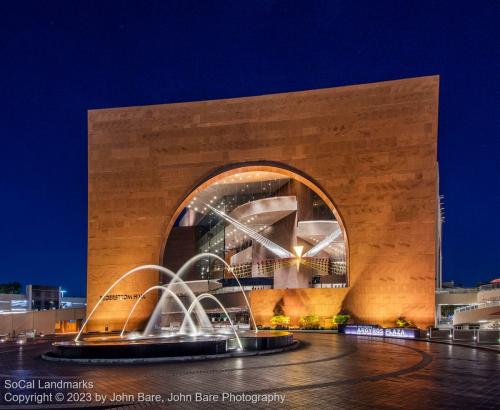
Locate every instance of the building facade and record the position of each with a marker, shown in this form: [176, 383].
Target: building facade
[469, 307]
[41, 310]
[352, 177]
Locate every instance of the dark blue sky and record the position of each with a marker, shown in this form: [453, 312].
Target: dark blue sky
[59, 59]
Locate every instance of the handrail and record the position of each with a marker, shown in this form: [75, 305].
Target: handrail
[489, 286]
[477, 306]
[457, 290]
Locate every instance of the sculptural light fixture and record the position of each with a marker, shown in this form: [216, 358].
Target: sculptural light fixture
[298, 250]
[323, 244]
[267, 243]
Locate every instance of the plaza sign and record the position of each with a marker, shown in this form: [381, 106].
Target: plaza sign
[401, 332]
[372, 330]
[364, 330]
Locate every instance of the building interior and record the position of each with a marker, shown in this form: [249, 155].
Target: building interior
[259, 223]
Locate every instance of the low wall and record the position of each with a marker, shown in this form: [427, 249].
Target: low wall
[42, 321]
[325, 303]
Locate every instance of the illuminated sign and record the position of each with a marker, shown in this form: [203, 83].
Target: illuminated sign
[372, 330]
[364, 330]
[401, 332]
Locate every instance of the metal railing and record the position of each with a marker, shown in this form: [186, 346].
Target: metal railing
[478, 336]
[457, 290]
[329, 285]
[236, 289]
[477, 306]
[489, 286]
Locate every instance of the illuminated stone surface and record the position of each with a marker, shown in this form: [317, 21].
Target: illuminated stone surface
[371, 149]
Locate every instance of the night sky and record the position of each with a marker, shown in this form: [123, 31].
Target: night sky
[59, 59]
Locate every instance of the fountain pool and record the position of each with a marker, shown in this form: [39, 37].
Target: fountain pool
[196, 338]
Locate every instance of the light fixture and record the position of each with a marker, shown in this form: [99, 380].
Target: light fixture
[298, 250]
[267, 243]
[324, 243]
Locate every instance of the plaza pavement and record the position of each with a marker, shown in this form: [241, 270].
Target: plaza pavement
[328, 371]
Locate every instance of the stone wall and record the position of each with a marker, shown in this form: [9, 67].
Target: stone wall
[371, 149]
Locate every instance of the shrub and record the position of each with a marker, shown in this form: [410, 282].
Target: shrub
[11, 287]
[309, 322]
[280, 321]
[402, 322]
[341, 319]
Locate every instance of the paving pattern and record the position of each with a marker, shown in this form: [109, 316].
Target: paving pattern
[328, 371]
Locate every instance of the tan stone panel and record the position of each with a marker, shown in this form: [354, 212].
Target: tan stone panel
[371, 148]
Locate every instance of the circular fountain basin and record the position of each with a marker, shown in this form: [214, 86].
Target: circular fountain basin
[115, 350]
[114, 347]
[263, 339]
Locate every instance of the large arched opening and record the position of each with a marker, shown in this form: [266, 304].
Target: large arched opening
[275, 228]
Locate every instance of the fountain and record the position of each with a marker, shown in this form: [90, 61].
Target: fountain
[193, 340]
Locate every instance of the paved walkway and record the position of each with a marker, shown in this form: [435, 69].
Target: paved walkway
[330, 371]
[492, 347]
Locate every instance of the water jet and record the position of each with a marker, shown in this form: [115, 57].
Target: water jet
[195, 338]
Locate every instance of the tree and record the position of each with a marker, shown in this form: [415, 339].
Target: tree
[10, 287]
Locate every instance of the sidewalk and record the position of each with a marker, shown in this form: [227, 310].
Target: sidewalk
[485, 346]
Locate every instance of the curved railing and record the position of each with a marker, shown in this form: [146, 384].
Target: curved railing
[477, 306]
